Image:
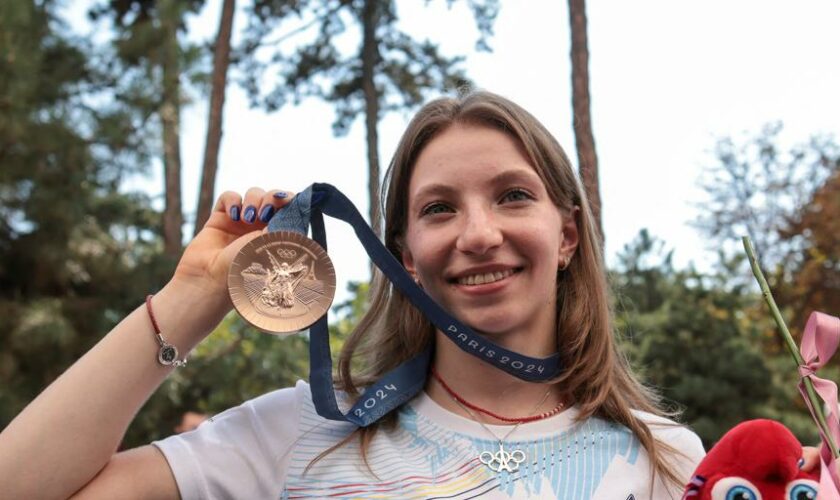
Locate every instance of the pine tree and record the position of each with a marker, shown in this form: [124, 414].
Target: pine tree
[76, 253]
[389, 71]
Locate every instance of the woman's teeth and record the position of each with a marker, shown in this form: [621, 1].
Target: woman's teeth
[481, 279]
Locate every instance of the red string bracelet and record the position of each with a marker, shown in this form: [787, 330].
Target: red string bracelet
[517, 420]
[168, 353]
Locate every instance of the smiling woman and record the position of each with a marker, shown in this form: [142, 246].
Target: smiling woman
[484, 237]
[484, 210]
[483, 207]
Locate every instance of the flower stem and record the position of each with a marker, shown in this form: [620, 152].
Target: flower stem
[815, 401]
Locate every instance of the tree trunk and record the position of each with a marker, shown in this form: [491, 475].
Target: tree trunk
[370, 55]
[582, 121]
[221, 61]
[170, 117]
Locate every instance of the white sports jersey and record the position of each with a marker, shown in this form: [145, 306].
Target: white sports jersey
[262, 448]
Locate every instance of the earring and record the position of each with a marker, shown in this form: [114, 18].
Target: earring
[564, 264]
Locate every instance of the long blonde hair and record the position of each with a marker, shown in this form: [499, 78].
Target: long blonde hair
[596, 376]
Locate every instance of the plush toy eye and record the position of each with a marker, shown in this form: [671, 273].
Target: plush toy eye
[735, 488]
[801, 489]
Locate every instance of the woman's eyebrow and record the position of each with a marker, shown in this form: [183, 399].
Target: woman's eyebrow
[435, 189]
[515, 176]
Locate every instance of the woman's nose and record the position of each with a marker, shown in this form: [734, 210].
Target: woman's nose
[479, 233]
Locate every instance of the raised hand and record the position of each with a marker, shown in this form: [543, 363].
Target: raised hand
[234, 222]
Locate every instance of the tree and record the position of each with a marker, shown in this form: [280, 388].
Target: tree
[815, 267]
[390, 71]
[170, 117]
[785, 200]
[75, 251]
[689, 336]
[154, 62]
[582, 119]
[370, 53]
[221, 62]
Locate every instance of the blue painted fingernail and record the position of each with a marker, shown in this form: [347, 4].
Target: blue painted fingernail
[266, 213]
[234, 213]
[250, 214]
[281, 195]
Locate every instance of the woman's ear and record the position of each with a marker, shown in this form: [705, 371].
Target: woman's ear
[569, 237]
[407, 260]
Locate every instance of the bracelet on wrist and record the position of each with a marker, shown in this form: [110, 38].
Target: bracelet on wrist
[168, 353]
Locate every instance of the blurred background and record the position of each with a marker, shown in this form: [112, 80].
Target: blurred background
[691, 124]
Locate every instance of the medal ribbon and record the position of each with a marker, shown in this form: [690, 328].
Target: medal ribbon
[405, 381]
[819, 343]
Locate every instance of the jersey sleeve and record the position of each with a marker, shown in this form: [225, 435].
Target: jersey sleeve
[240, 453]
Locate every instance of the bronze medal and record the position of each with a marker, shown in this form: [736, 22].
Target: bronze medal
[281, 282]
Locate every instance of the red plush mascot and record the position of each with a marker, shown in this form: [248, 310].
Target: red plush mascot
[756, 460]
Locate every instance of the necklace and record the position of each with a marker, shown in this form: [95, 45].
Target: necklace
[520, 420]
[502, 460]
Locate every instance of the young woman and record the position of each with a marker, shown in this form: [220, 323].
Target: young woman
[484, 210]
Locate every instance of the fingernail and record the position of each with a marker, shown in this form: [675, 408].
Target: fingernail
[280, 195]
[266, 213]
[234, 213]
[250, 214]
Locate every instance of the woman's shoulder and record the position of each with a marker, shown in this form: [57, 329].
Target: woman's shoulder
[295, 401]
[672, 433]
[254, 416]
[253, 443]
[287, 399]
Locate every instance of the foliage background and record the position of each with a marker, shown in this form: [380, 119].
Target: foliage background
[80, 116]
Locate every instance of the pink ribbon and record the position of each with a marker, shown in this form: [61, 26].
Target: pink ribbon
[819, 342]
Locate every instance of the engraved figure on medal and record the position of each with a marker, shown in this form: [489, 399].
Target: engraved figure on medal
[282, 282]
[280, 288]
[278, 285]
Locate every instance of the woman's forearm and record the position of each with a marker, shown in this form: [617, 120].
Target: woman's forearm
[68, 433]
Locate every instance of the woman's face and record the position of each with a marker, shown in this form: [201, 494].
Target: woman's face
[485, 239]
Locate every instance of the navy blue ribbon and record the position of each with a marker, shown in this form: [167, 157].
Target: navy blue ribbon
[405, 381]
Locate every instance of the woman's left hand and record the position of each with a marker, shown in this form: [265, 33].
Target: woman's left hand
[811, 457]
